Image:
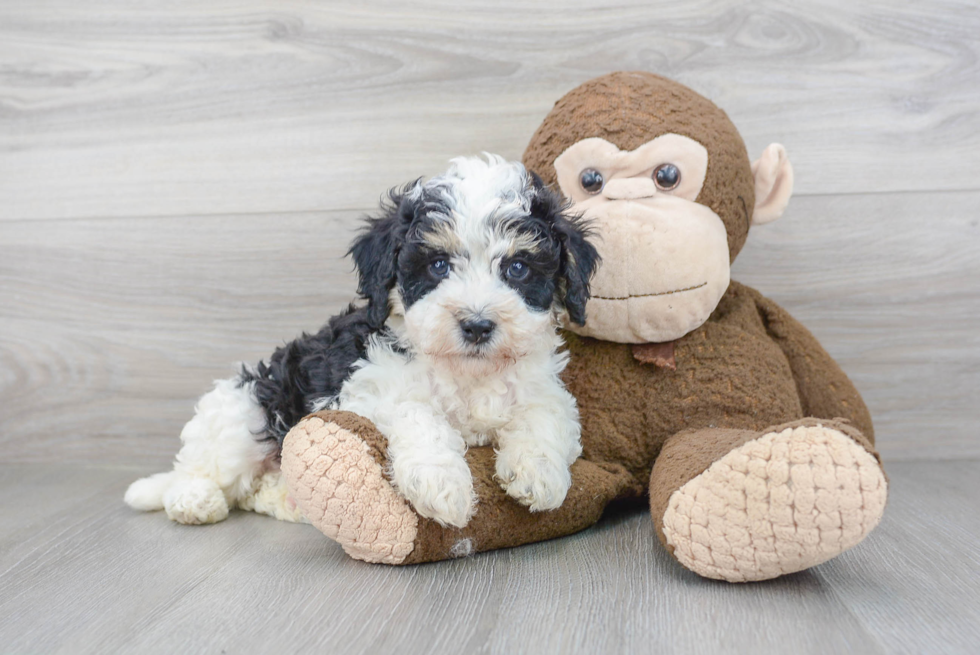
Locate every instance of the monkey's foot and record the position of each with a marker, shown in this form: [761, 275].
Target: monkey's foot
[333, 463]
[779, 503]
[337, 480]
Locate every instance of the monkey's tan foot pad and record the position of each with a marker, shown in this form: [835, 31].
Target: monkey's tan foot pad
[778, 504]
[337, 481]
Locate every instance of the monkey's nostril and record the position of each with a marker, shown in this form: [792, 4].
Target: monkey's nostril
[477, 331]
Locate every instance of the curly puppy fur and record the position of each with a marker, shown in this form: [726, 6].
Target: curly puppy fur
[465, 279]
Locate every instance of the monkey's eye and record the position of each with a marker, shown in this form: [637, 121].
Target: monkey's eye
[667, 176]
[591, 180]
[517, 271]
[440, 268]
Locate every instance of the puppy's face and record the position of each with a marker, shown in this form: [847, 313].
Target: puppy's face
[476, 284]
[478, 263]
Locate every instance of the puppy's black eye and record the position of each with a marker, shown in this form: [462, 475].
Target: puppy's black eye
[517, 271]
[440, 268]
[591, 180]
[667, 176]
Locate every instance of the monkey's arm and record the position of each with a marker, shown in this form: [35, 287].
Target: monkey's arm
[825, 391]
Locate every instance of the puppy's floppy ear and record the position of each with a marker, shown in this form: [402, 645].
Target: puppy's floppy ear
[579, 258]
[375, 250]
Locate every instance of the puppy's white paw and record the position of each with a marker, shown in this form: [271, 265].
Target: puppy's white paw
[195, 501]
[443, 493]
[533, 479]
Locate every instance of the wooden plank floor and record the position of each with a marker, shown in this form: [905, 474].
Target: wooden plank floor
[179, 182]
[82, 573]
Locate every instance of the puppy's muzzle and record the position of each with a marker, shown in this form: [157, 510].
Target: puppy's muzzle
[477, 331]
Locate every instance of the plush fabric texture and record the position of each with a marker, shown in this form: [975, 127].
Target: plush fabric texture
[333, 466]
[688, 154]
[776, 504]
[501, 522]
[750, 366]
[773, 184]
[658, 354]
[333, 470]
[731, 374]
[690, 453]
[755, 449]
[628, 109]
[665, 269]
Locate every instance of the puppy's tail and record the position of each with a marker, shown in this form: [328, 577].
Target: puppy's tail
[146, 494]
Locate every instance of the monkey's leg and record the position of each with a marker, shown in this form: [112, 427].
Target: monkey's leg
[334, 464]
[740, 505]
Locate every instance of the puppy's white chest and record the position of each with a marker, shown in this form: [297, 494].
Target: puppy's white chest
[479, 409]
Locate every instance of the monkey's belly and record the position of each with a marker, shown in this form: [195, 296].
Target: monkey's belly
[727, 376]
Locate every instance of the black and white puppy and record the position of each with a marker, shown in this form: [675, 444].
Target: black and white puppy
[467, 278]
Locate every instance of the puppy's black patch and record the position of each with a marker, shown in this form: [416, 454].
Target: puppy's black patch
[414, 278]
[375, 251]
[308, 369]
[538, 288]
[565, 245]
[420, 250]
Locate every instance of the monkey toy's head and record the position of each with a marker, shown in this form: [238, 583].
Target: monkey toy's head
[665, 179]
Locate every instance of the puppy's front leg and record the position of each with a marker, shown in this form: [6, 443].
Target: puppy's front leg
[534, 453]
[427, 463]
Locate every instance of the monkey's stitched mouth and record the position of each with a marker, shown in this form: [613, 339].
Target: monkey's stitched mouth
[650, 295]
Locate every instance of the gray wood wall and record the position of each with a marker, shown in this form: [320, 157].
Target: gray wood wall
[179, 180]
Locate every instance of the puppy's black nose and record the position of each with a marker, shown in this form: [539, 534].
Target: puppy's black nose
[477, 331]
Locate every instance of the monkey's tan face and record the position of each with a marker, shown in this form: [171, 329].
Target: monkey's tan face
[665, 262]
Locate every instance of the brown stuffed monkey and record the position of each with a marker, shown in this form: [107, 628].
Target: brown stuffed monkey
[755, 449]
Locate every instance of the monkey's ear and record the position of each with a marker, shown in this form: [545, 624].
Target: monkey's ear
[578, 257]
[773, 184]
[375, 251]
